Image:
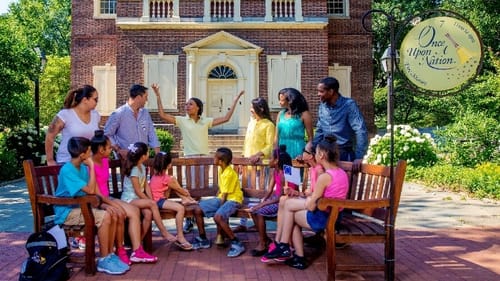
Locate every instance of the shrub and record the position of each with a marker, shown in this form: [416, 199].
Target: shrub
[166, 139]
[409, 144]
[25, 142]
[8, 161]
[471, 140]
[482, 181]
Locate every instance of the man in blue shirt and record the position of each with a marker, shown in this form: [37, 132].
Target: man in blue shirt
[131, 122]
[340, 116]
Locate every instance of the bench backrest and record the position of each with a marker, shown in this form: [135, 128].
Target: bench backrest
[40, 180]
[373, 182]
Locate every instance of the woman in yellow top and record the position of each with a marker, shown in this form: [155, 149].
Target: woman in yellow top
[259, 138]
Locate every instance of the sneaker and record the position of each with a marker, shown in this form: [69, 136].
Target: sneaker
[272, 246]
[122, 254]
[297, 262]
[236, 249]
[200, 243]
[188, 225]
[140, 255]
[219, 241]
[107, 265]
[119, 263]
[281, 253]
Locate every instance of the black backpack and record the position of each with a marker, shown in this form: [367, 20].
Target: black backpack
[45, 262]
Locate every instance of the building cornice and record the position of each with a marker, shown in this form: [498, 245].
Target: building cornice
[137, 24]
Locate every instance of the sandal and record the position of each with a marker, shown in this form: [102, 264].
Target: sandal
[186, 246]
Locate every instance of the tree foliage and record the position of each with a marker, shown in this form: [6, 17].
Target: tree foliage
[54, 85]
[43, 23]
[17, 67]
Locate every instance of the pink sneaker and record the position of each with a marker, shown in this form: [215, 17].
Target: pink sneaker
[272, 246]
[140, 255]
[122, 254]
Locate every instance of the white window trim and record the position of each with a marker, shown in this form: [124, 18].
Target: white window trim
[168, 86]
[345, 15]
[274, 85]
[106, 89]
[343, 74]
[97, 11]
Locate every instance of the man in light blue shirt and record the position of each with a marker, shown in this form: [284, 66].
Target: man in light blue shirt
[131, 122]
[341, 117]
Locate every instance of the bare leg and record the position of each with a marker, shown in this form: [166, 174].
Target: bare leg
[292, 205]
[146, 221]
[151, 205]
[300, 219]
[103, 235]
[279, 223]
[224, 226]
[200, 223]
[260, 224]
[179, 217]
[112, 232]
[134, 223]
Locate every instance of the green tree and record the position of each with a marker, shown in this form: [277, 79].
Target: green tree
[43, 23]
[17, 67]
[54, 85]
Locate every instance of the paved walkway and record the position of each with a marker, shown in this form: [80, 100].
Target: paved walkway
[439, 236]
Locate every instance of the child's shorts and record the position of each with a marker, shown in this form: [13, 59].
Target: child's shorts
[318, 219]
[75, 217]
[160, 202]
[212, 207]
[270, 210]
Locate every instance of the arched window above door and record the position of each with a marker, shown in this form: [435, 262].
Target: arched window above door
[222, 72]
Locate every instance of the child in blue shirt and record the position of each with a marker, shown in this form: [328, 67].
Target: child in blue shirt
[77, 178]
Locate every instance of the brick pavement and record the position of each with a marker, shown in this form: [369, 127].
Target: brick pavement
[440, 236]
[465, 253]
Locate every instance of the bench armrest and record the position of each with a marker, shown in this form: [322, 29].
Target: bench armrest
[93, 200]
[326, 203]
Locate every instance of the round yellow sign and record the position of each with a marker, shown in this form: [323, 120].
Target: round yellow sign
[440, 54]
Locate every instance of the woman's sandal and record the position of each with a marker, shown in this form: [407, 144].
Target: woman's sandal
[186, 246]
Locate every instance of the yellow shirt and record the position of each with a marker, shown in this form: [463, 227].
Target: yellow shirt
[194, 134]
[230, 184]
[259, 138]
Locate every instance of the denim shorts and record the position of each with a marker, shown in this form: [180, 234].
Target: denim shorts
[160, 202]
[318, 219]
[212, 207]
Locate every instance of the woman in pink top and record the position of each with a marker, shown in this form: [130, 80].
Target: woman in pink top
[299, 212]
[101, 148]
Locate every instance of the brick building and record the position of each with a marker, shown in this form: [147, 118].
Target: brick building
[211, 49]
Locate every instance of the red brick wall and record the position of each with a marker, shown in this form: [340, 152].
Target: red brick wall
[350, 44]
[93, 42]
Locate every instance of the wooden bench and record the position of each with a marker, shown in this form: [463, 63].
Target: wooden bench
[199, 176]
[372, 208]
[42, 183]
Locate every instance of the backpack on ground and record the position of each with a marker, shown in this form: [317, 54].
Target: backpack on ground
[45, 262]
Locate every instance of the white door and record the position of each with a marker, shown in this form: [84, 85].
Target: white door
[220, 95]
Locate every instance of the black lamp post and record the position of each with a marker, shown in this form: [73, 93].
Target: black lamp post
[388, 61]
[43, 61]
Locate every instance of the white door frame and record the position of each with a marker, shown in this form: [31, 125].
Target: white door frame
[223, 48]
